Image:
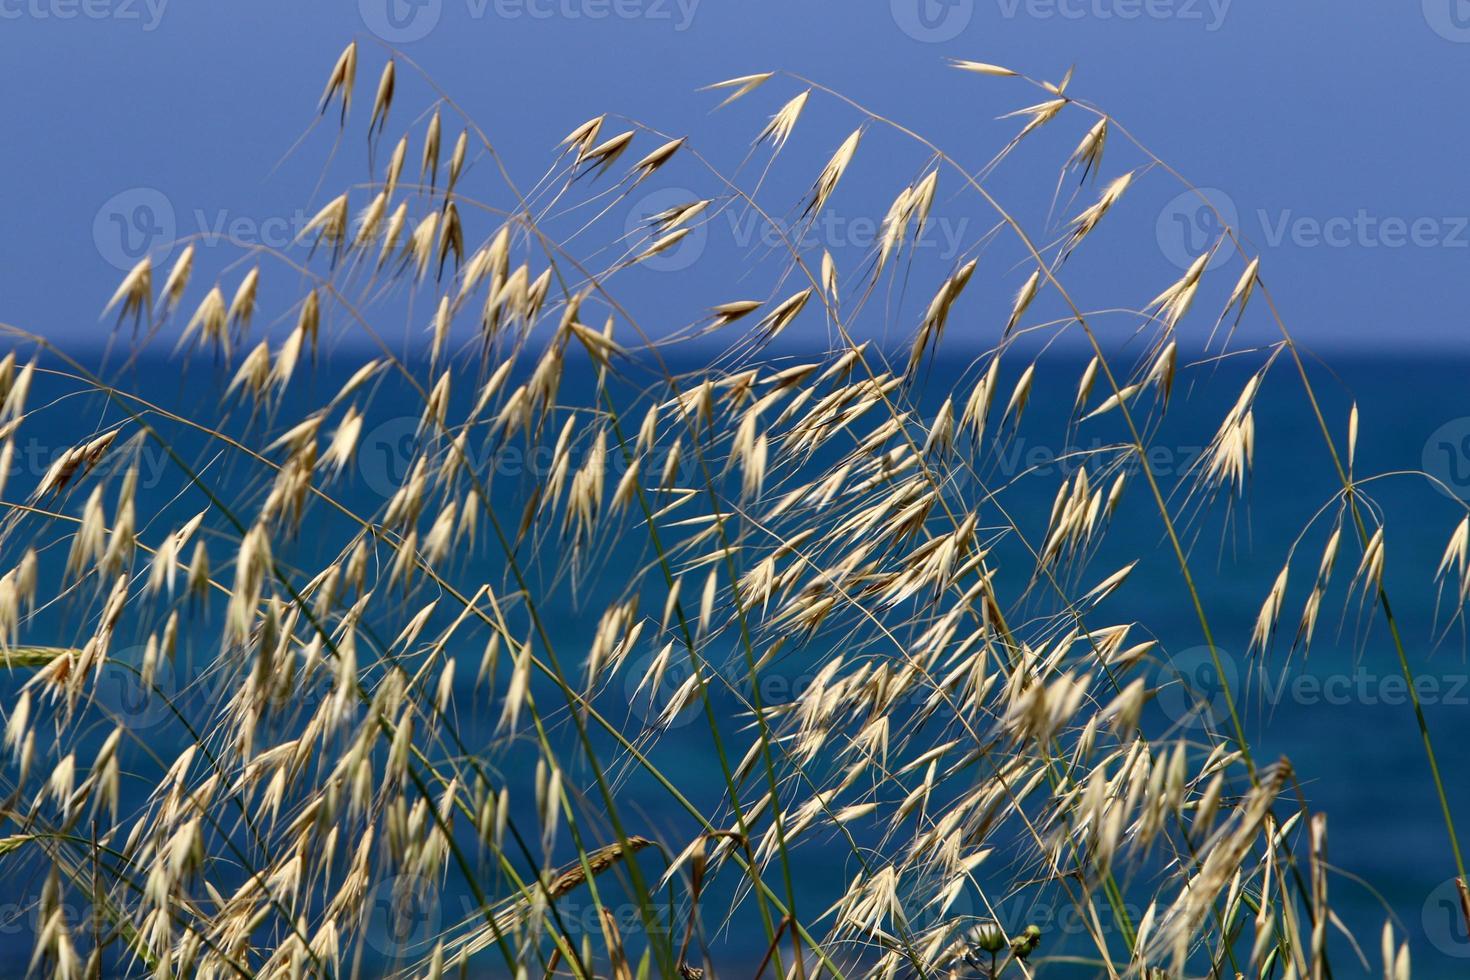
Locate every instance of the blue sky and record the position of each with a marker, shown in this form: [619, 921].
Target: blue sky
[1335, 131]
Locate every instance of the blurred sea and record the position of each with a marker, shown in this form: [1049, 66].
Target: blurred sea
[1341, 714]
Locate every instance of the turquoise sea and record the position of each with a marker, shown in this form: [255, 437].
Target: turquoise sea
[1341, 713]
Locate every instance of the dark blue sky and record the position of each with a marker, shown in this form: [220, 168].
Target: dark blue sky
[1336, 131]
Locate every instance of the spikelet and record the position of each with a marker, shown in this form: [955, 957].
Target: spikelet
[832, 173]
[1085, 222]
[13, 401]
[252, 566]
[977, 407]
[1089, 152]
[342, 80]
[581, 139]
[941, 434]
[604, 154]
[393, 231]
[451, 238]
[88, 542]
[456, 161]
[662, 244]
[1227, 459]
[781, 125]
[308, 325]
[75, 463]
[677, 216]
[1084, 385]
[743, 85]
[727, 313]
[599, 346]
[1023, 299]
[1174, 302]
[1161, 374]
[1020, 395]
[178, 280]
[429, 162]
[242, 307]
[1241, 294]
[981, 68]
[515, 696]
[330, 225]
[423, 243]
[1456, 556]
[1370, 568]
[1110, 584]
[344, 442]
[1352, 445]
[912, 205]
[937, 315]
[135, 293]
[1270, 613]
[383, 101]
[210, 320]
[254, 372]
[646, 167]
[781, 317]
[1037, 115]
[394, 170]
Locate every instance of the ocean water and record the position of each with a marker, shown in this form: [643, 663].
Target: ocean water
[1340, 713]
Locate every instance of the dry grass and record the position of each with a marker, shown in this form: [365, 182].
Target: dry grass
[977, 725]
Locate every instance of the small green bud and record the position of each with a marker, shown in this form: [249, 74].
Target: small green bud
[1025, 944]
[988, 937]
